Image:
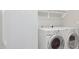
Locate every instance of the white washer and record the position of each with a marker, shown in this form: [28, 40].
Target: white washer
[57, 38]
[51, 38]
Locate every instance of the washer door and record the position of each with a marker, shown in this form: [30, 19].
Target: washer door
[72, 41]
[56, 42]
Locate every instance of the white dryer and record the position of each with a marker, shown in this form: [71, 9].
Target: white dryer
[71, 41]
[77, 31]
[58, 38]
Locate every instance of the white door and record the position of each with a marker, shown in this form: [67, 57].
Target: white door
[21, 28]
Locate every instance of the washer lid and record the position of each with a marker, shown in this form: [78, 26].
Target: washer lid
[56, 42]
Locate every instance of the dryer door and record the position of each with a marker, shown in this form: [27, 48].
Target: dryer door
[73, 41]
[56, 42]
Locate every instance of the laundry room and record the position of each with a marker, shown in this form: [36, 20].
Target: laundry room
[39, 29]
[58, 29]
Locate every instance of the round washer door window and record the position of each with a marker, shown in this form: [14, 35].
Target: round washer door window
[72, 42]
[57, 43]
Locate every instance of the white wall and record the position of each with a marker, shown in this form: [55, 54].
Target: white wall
[21, 28]
[0, 26]
[47, 20]
[72, 18]
[1, 32]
